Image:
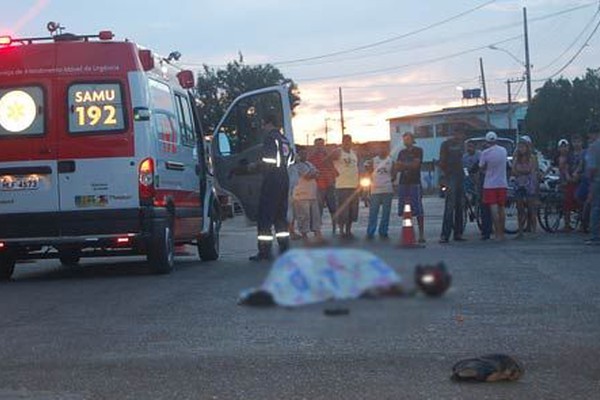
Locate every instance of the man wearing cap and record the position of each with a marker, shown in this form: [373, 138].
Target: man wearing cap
[493, 160]
[593, 170]
[408, 164]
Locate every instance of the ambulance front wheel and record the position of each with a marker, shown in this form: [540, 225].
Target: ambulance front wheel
[7, 267]
[208, 245]
[161, 251]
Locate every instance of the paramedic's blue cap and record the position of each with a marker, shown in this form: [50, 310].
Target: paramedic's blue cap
[491, 136]
[526, 139]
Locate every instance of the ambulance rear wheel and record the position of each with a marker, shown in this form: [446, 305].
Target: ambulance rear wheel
[69, 258]
[161, 252]
[7, 267]
[208, 245]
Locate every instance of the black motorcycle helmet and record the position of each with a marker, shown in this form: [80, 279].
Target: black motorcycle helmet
[433, 280]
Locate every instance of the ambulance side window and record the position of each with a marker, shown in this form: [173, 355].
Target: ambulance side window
[186, 123]
[164, 113]
[162, 100]
[166, 131]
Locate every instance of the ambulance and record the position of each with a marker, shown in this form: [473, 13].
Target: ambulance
[102, 153]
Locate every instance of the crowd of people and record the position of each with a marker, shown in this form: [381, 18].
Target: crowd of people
[322, 178]
[329, 179]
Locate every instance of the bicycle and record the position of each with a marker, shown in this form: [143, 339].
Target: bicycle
[551, 211]
[473, 212]
[471, 206]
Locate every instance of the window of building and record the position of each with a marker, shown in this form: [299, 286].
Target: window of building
[424, 131]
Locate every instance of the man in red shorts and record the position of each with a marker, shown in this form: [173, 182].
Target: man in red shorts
[493, 161]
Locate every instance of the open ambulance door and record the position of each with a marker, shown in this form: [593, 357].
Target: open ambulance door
[237, 143]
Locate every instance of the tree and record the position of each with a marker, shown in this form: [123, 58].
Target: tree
[562, 108]
[218, 88]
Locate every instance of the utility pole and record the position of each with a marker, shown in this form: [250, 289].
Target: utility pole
[510, 108]
[326, 129]
[342, 112]
[509, 104]
[485, 97]
[508, 83]
[527, 62]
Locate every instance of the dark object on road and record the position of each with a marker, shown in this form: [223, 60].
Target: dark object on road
[258, 298]
[433, 280]
[488, 368]
[336, 311]
[395, 290]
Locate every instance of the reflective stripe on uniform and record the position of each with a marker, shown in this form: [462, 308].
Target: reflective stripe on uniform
[269, 160]
[282, 234]
[278, 161]
[265, 238]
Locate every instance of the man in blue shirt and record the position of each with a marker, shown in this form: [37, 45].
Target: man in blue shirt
[593, 167]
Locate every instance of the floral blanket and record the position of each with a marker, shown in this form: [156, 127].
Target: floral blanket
[305, 276]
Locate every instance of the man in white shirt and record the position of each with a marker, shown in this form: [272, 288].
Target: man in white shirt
[382, 192]
[494, 161]
[345, 162]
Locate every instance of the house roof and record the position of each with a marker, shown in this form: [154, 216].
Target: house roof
[460, 111]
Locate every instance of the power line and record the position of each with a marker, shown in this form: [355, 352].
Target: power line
[424, 62]
[577, 53]
[381, 42]
[436, 41]
[411, 84]
[579, 36]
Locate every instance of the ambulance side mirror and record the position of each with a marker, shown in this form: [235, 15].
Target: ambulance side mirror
[186, 79]
[223, 143]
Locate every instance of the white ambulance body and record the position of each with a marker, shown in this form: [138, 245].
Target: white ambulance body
[101, 153]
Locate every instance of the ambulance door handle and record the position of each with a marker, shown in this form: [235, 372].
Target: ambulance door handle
[66, 167]
[175, 166]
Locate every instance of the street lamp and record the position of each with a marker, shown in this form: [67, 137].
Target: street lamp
[526, 64]
[493, 47]
[526, 77]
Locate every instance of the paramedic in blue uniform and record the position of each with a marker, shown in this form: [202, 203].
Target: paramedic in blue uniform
[272, 208]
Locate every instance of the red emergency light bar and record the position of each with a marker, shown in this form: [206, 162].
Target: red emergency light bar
[102, 35]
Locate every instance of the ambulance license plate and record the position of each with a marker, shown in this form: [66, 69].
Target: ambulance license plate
[20, 182]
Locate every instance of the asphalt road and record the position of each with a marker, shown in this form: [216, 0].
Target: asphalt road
[110, 330]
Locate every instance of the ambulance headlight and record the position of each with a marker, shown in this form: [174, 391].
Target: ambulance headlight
[17, 111]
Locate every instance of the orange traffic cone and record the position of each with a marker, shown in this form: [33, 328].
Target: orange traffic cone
[407, 238]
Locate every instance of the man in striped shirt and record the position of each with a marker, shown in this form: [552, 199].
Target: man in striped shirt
[323, 161]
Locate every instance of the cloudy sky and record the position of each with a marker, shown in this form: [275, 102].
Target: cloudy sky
[390, 57]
